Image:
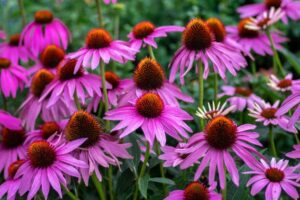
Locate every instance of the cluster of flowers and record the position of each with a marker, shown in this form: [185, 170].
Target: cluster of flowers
[64, 93]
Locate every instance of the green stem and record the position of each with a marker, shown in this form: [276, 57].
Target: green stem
[69, 193]
[201, 90]
[297, 138]
[150, 50]
[100, 108]
[272, 142]
[276, 59]
[98, 186]
[77, 102]
[110, 185]
[99, 12]
[216, 88]
[104, 90]
[161, 168]
[224, 191]
[253, 67]
[142, 172]
[4, 102]
[116, 26]
[22, 10]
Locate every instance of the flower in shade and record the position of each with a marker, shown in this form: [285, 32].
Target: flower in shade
[109, 1]
[11, 185]
[145, 32]
[49, 59]
[274, 177]
[47, 166]
[195, 190]
[67, 84]
[255, 40]
[14, 50]
[213, 148]
[44, 30]
[295, 153]
[32, 107]
[198, 44]
[99, 148]
[2, 35]
[99, 46]
[285, 84]
[213, 110]
[9, 121]
[290, 8]
[266, 113]
[172, 155]
[155, 117]
[12, 77]
[150, 77]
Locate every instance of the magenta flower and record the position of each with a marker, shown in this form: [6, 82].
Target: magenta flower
[172, 155]
[254, 40]
[198, 43]
[32, 107]
[213, 148]
[275, 177]
[285, 84]
[150, 77]
[195, 190]
[110, 1]
[44, 30]
[290, 8]
[9, 121]
[99, 149]
[14, 51]
[67, 84]
[12, 77]
[2, 35]
[240, 97]
[155, 117]
[145, 32]
[99, 45]
[294, 154]
[11, 185]
[47, 166]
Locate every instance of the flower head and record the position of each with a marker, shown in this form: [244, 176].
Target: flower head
[214, 111]
[285, 84]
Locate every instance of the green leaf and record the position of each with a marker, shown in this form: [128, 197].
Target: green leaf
[135, 152]
[292, 59]
[143, 185]
[163, 181]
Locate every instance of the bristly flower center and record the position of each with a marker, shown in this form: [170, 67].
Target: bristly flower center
[39, 81]
[273, 3]
[269, 113]
[285, 83]
[143, 29]
[14, 40]
[149, 75]
[48, 129]
[197, 35]
[13, 168]
[150, 105]
[12, 138]
[41, 154]
[98, 38]
[274, 174]
[51, 56]
[245, 92]
[66, 71]
[217, 28]
[220, 132]
[112, 78]
[4, 63]
[245, 32]
[83, 125]
[43, 17]
[196, 191]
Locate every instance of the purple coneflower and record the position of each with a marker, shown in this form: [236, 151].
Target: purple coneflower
[195, 190]
[145, 32]
[99, 45]
[109, 1]
[2, 35]
[155, 117]
[285, 84]
[44, 30]
[295, 153]
[12, 77]
[275, 177]
[214, 111]
[150, 77]
[172, 155]
[98, 149]
[9, 121]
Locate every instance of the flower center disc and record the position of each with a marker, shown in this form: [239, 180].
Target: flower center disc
[39, 81]
[217, 28]
[83, 125]
[14, 40]
[197, 35]
[245, 92]
[274, 174]
[43, 17]
[149, 75]
[196, 191]
[66, 72]
[112, 78]
[220, 132]
[273, 3]
[284, 83]
[13, 168]
[52, 56]
[143, 29]
[12, 138]
[245, 32]
[150, 105]
[98, 38]
[41, 154]
[269, 113]
[48, 129]
[4, 63]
